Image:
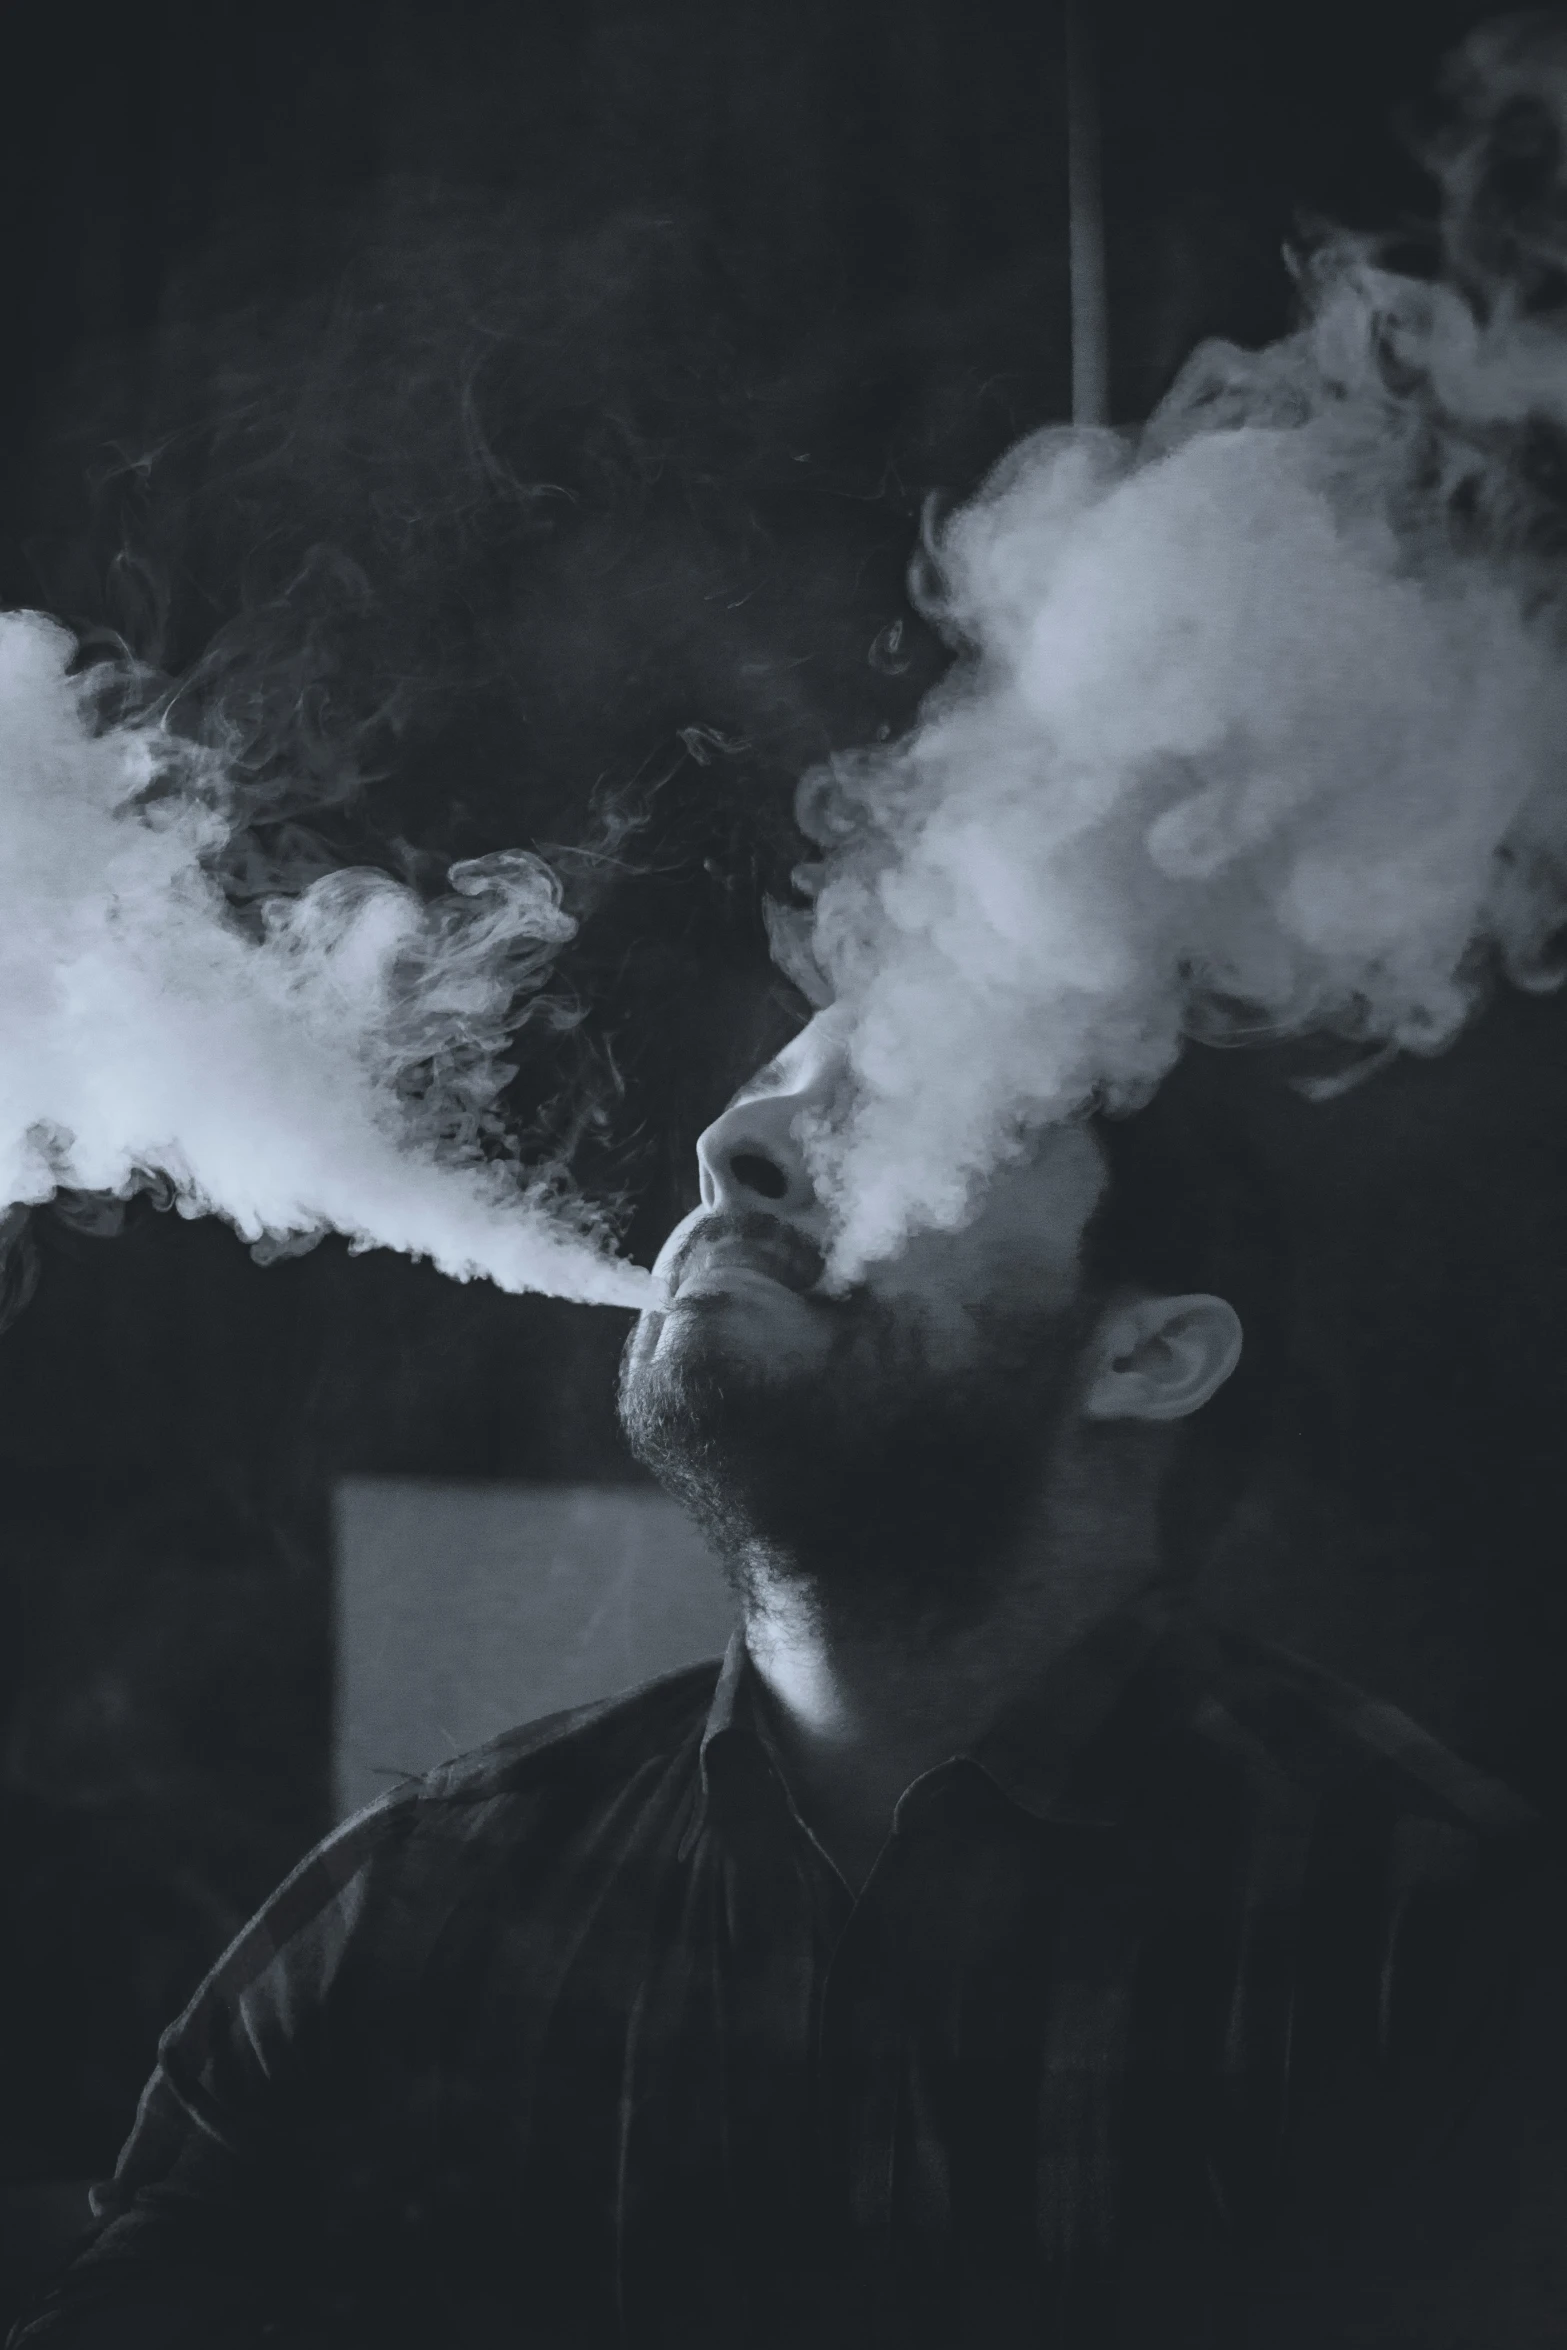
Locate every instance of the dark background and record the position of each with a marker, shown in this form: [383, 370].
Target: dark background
[303, 306]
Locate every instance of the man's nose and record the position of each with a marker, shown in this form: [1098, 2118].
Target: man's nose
[750, 1157]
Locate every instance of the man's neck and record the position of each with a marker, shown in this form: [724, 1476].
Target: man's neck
[859, 1710]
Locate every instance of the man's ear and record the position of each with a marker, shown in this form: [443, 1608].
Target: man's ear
[1159, 1358]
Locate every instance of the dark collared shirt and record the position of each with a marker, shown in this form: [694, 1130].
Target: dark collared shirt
[1183, 2010]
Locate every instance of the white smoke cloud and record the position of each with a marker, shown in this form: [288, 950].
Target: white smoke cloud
[1258, 731]
[329, 1073]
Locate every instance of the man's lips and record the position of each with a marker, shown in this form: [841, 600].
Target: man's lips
[728, 1261]
[755, 1245]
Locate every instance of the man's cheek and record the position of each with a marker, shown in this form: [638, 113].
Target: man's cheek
[937, 1291]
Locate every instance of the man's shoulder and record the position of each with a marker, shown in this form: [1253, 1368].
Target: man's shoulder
[558, 1764]
[575, 1747]
[1306, 1727]
[391, 1873]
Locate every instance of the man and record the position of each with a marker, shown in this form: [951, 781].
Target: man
[989, 1953]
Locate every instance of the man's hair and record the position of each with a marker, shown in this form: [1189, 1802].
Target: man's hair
[1190, 1204]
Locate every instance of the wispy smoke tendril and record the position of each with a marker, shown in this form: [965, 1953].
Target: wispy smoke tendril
[333, 1064]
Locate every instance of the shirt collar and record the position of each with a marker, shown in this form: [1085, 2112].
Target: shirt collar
[1054, 1748]
[728, 1710]
[1046, 1751]
[734, 1753]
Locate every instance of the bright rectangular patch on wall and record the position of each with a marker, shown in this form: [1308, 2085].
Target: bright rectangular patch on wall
[463, 1610]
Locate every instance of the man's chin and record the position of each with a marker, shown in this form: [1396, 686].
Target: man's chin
[694, 1376]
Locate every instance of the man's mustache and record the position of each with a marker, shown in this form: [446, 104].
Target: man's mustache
[780, 1250]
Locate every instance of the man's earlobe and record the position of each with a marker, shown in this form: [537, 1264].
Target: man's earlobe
[1160, 1358]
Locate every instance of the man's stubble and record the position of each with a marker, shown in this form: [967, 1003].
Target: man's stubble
[884, 1478]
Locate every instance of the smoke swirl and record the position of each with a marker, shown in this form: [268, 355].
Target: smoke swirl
[1256, 728]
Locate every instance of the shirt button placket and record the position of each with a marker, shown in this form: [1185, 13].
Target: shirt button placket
[863, 2065]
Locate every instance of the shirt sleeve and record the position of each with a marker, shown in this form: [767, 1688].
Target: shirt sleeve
[215, 2234]
[1477, 2230]
[1441, 2181]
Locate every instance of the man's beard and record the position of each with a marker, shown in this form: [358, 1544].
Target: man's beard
[884, 1480]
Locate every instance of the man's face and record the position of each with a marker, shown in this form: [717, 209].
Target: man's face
[783, 1413]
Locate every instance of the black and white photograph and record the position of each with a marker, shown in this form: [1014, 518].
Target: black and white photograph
[783, 1176]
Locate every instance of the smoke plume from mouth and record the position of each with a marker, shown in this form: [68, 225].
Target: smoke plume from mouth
[1258, 724]
[332, 1067]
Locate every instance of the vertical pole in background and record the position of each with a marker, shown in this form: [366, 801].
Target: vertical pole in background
[1086, 230]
